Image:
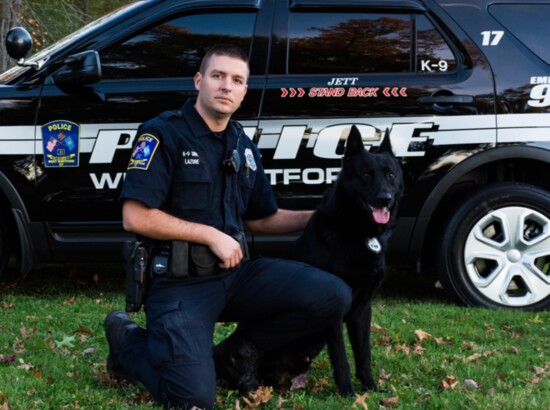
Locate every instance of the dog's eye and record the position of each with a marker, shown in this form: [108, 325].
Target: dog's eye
[390, 175]
[367, 175]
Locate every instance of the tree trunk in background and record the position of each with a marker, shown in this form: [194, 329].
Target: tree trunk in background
[10, 16]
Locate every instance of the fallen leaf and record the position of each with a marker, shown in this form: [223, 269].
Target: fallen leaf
[25, 366]
[385, 376]
[89, 350]
[473, 358]
[259, 397]
[66, 342]
[468, 344]
[26, 333]
[419, 350]
[384, 341]
[320, 385]
[376, 328]
[471, 384]
[441, 341]
[390, 402]
[514, 350]
[403, 348]
[536, 319]
[84, 330]
[360, 401]
[488, 328]
[422, 335]
[298, 382]
[9, 358]
[539, 371]
[6, 305]
[449, 382]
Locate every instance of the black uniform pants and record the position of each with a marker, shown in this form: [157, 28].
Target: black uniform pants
[276, 301]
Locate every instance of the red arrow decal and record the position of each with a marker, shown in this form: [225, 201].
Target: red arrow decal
[292, 92]
[394, 92]
[403, 92]
[301, 92]
[386, 91]
[284, 92]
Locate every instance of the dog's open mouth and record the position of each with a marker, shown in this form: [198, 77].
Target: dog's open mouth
[381, 215]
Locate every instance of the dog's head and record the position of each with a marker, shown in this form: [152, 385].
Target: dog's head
[373, 180]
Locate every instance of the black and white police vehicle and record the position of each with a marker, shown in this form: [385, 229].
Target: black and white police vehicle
[462, 85]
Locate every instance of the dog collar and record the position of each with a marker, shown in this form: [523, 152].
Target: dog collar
[373, 245]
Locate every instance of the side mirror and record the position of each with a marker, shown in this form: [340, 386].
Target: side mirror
[79, 69]
[18, 43]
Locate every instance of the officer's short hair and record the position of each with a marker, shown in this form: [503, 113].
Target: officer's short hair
[228, 50]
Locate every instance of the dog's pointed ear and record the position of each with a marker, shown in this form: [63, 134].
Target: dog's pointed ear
[354, 144]
[385, 146]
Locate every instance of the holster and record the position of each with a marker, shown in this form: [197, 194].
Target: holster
[183, 260]
[137, 258]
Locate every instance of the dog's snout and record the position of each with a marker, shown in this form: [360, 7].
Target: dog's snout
[384, 198]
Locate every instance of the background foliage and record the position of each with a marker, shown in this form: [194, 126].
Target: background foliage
[49, 20]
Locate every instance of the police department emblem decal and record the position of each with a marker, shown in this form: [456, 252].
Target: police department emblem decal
[61, 141]
[143, 152]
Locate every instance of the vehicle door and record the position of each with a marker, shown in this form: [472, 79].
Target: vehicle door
[147, 66]
[404, 69]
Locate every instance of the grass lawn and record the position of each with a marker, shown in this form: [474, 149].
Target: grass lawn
[427, 352]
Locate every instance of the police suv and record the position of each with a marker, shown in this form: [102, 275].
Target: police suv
[462, 85]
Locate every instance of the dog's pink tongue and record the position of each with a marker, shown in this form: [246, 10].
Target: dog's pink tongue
[381, 215]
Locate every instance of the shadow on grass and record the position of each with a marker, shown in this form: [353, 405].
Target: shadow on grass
[413, 286]
[68, 279]
[57, 280]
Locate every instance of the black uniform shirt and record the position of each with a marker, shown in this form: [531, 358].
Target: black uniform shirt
[176, 166]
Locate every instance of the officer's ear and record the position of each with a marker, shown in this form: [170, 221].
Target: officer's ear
[197, 80]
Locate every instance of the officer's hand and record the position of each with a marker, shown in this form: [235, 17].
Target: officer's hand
[227, 250]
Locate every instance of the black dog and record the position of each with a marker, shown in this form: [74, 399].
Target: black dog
[347, 236]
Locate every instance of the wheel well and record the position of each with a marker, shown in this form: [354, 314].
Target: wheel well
[522, 170]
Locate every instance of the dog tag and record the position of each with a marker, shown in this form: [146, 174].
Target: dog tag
[374, 245]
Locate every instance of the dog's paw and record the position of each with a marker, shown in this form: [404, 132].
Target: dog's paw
[370, 385]
[347, 390]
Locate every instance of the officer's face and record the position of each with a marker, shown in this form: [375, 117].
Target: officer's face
[221, 87]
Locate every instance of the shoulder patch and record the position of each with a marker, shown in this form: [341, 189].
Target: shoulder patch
[250, 161]
[143, 152]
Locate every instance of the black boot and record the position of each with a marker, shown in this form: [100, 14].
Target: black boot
[117, 325]
[237, 362]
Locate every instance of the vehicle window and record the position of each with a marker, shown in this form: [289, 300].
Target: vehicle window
[348, 43]
[432, 52]
[528, 23]
[322, 43]
[175, 48]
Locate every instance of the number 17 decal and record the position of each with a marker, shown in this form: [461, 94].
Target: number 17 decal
[491, 38]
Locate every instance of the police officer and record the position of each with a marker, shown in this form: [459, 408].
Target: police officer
[196, 177]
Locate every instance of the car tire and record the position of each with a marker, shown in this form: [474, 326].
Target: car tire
[4, 249]
[495, 248]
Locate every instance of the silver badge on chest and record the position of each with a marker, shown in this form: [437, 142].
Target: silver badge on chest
[374, 245]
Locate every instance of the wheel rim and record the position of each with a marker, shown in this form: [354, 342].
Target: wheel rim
[507, 256]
